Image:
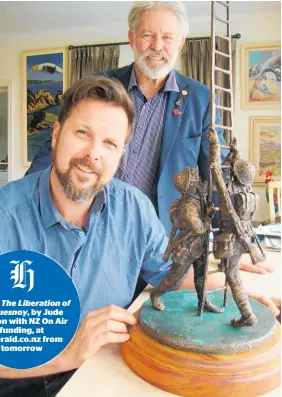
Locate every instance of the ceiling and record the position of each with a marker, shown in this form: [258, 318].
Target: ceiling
[19, 17]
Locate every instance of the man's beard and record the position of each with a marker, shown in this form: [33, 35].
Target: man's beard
[72, 191]
[159, 71]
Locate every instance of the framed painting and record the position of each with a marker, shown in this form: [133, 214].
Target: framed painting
[260, 76]
[44, 81]
[265, 147]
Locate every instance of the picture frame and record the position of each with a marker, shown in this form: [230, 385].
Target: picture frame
[44, 79]
[260, 76]
[265, 147]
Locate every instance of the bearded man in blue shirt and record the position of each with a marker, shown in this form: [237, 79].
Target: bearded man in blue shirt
[104, 232]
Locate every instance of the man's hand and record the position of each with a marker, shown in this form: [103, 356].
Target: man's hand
[260, 267]
[273, 302]
[100, 327]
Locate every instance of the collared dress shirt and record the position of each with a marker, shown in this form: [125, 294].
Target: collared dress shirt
[123, 238]
[140, 165]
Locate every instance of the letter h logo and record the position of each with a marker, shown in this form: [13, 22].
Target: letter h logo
[21, 275]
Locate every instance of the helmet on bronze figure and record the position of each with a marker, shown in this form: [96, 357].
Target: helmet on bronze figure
[186, 179]
[244, 171]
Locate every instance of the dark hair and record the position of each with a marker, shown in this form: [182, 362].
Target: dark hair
[101, 88]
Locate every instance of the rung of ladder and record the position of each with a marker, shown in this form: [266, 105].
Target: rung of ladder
[222, 20]
[213, 271]
[223, 108]
[216, 289]
[223, 3]
[222, 70]
[226, 167]
[217, 87]
[223, 37]
[222, 54]
[223, 127]
[224, 147]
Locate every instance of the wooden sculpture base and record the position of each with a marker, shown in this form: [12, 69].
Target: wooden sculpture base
[190, 373]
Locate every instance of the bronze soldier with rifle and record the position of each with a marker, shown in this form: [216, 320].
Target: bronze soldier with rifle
[236, 236]
[191, 215]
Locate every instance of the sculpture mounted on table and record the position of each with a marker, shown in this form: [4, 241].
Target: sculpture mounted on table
[191, 215]
[212, 353]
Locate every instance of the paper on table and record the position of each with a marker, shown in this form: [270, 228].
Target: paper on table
[271, 242]
[274, 229]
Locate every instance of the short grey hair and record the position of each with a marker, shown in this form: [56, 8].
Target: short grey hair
[176, 7]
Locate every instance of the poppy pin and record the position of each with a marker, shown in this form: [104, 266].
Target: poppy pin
[176, 112]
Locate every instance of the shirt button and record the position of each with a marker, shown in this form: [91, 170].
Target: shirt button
[81, 234]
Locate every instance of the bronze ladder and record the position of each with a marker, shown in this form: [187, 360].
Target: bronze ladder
[213, 107]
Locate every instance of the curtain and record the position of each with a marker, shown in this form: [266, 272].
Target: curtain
[196, 63]
[92, 59]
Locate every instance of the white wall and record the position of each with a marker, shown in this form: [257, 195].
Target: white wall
[259, 28]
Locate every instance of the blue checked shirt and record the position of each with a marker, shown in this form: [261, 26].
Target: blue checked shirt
[122, 238]
[140, 164]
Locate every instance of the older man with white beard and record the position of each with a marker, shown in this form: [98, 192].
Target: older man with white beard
[172, 110]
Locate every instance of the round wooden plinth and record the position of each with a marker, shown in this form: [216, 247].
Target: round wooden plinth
[186, 373]
[179, 326]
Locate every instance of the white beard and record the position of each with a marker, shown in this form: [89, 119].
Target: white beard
[158, 72]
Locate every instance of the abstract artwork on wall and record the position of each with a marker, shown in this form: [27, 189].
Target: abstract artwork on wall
[260, 76]
[44, 81]
[265, 146]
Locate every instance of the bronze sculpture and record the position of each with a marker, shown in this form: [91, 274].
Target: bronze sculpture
[238, 204]
[192, 215]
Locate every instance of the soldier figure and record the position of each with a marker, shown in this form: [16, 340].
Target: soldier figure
[236, 235]
[192, 215]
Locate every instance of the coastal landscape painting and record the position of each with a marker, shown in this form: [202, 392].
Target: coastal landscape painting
[261, 76]
[265, 146]
[44, 82]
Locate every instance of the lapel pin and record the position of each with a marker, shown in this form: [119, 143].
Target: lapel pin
[178, 102]
[176, 112]
[184, 92]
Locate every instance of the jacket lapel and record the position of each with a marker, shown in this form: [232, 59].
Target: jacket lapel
[123, 75]
[173, 121]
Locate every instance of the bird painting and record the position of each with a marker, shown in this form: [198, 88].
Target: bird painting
[47, 67]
